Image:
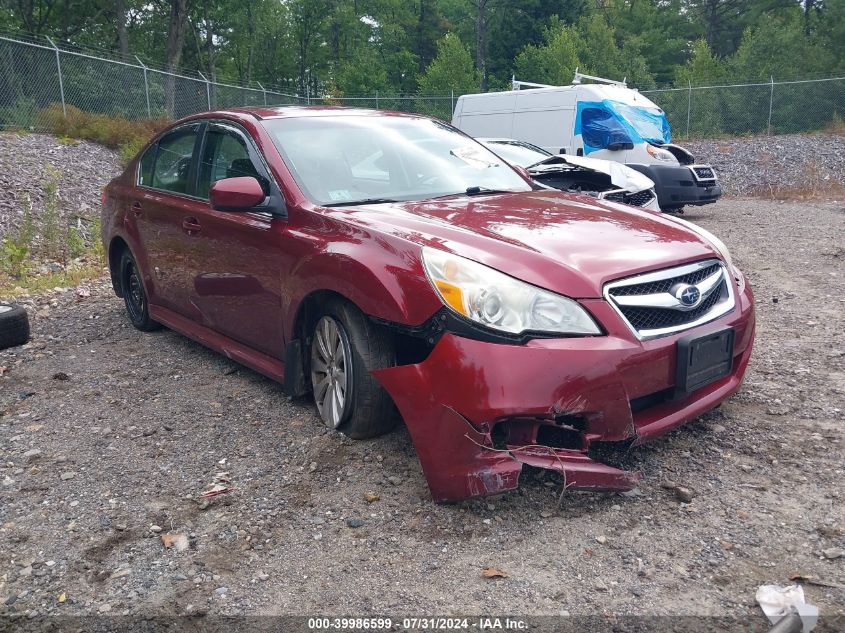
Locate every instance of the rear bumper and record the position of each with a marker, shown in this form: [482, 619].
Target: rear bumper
[677, 186]
[477, 411]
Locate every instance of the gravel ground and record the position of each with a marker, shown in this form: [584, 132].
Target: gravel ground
[25, 163]
[767, 164]
[108, 436]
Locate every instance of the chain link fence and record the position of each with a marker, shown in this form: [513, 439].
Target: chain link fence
[773, 107]
[35, 74]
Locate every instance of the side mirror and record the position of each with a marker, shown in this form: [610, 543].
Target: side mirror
[523, 172]
[236, 194]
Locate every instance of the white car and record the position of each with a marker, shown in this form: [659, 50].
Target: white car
[602, 179]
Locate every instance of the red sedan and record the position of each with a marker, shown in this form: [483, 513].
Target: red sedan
[395, 268]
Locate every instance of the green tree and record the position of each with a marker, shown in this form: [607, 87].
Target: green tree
[451, 70]
[364, 73]
[706, 106]
[553, 62]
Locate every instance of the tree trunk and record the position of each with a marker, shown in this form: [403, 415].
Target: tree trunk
[173, 50]
[809, 5]
[211, 57]
[27, 10]
[122, 36]
[250, 50]
[481, 42]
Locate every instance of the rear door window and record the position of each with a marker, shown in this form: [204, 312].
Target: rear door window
[172, 169]
[145, 172]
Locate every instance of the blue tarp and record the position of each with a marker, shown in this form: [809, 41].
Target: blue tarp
[602, 123]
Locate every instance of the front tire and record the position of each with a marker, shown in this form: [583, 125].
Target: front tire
[345, 348]
[134, 294]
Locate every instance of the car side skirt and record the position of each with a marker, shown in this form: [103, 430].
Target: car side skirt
[271, 367]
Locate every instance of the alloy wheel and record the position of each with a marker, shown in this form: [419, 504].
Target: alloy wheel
[331, 371]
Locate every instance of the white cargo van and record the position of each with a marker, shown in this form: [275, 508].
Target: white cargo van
[604, 120]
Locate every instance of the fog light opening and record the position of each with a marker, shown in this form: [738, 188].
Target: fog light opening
[560, 437]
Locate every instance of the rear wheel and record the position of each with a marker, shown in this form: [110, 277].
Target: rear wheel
[134, 295]
[345, 348]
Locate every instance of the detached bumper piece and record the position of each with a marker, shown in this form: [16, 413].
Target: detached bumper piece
[460, 460]
[684, 185]
[479, 411]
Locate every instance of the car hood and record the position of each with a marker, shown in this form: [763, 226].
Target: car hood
[569, 244]
[620, 175]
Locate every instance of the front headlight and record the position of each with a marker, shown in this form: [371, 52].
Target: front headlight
[660, 154]
[718, 244]
[498, 301]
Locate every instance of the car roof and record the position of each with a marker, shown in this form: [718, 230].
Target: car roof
[512, 141]
[282, 112]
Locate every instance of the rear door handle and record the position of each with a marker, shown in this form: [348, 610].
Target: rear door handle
[137, 209]
[191, 226]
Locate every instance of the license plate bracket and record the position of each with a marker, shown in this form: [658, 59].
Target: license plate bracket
[703, 359]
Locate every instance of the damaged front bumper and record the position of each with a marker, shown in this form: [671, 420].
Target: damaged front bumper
[478, 411]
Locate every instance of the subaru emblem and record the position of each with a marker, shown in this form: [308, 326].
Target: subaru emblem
[688, 295]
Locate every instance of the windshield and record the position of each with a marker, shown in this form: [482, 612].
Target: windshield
[650, 123]
[517, 153]
[356, 158]
[605, 124]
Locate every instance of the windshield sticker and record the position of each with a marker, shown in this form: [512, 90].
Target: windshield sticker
[339, 194]
[475, 157]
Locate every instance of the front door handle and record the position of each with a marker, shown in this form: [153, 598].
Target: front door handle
[137, 209]
[191, 226]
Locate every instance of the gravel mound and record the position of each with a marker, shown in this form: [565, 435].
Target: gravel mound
[25, 164]
[762, 164]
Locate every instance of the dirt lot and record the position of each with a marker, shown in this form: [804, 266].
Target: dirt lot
[108, 435]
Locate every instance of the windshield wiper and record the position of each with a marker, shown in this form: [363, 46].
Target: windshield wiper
[479, 191]
[472, 191]
[364, 201]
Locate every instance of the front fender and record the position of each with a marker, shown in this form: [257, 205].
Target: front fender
[383, 276]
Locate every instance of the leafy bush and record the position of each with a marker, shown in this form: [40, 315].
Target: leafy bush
[52, 246]
[128, 150]
[77, 245]
[115, 132]
[75, 242]
[15, 250]
[96, 248]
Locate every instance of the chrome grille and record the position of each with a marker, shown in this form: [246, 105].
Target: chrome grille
[663, 285]
[703, 173]
[652, 304]
[639, 199]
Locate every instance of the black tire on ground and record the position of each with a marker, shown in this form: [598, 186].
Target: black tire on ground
[14, 326]
[369, 410]
[134, 294]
